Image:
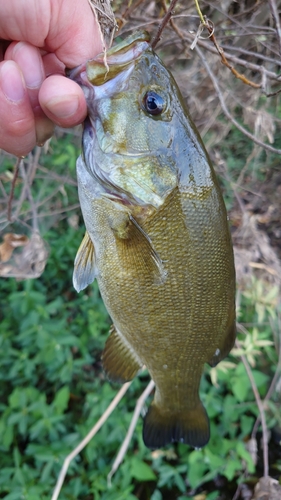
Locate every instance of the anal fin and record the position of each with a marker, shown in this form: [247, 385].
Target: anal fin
[120, 363]
[84, 265]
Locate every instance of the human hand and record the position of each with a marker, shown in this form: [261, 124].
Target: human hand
[41, 38]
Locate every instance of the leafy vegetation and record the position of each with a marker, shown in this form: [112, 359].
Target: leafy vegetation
[53, 391]
[52, 388]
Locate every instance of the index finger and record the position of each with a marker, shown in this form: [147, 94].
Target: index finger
[66, 27]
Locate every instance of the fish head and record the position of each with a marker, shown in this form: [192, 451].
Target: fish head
[138, 128]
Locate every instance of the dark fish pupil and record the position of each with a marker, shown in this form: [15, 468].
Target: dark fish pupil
[153, 103]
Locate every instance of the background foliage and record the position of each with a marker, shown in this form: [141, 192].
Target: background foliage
[52, 386]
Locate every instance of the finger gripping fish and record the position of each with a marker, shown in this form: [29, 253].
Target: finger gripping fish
[157, 237]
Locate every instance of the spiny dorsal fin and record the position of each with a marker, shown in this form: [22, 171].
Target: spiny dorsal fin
[84, 265]
[120, 363]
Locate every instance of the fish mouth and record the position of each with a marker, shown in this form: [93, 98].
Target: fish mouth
[108, 65]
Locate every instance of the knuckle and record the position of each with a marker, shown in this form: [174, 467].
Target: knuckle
[18, 128]
[18, 136]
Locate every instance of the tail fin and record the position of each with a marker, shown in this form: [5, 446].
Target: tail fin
[163, 427]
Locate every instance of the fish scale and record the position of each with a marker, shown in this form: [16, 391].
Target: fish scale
[157, 238]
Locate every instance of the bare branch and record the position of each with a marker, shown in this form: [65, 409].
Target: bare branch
[88, 438]
[10, 200]
[227, 112]
[126, 442]
[165, 20]
[261, 410]
[272, 385]
[247, 64]
[275, 16]
[30, 197]
[130, 8]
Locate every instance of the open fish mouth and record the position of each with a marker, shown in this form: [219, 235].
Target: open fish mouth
[108, 65]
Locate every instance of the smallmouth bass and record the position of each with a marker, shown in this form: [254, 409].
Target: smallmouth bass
[157, 237]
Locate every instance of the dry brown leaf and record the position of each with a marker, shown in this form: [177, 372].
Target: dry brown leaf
[29, 263]
[200, 496]
[254, 254]
[262, 122]
[267, 489]
[11, 241]
[252, 448]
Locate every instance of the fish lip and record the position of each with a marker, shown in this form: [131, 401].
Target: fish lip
[107, 65]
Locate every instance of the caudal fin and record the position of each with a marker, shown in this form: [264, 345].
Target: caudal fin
[164, 427]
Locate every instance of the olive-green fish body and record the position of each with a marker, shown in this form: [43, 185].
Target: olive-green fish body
[157, 239]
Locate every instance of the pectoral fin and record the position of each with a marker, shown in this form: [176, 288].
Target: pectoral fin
[135, 247]
[120, 363]
[84, 265]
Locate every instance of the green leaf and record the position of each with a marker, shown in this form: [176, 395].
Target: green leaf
[232, 466]
[243, 453]
[240, 387]
[141, 471]
[156, 495]
[260, 378]
[61, 399]
[213, 496]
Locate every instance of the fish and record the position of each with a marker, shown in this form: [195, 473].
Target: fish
[157, 236]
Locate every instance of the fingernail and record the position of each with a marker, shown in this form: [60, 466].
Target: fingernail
[30, 61]
[11, 81]
[63, 107]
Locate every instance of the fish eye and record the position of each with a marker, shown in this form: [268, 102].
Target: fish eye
[153, 103]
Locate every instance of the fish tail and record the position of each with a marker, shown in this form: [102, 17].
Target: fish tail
[188, 426]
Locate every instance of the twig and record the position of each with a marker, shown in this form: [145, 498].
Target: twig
[129, 9]
[30, 197]
[199, 12]
[106, 23]
[226, 111]
[250, 53]
[237, 492]
[272, 94]
[225, 61]
[26, 182]
[165, 20]
[271, 388]
[237, 60]
[52, 175]
[261, 410]
[173, 24]
[88, 438]
[126, 442]
[10, 200]
[206, 23]
[275, 16]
